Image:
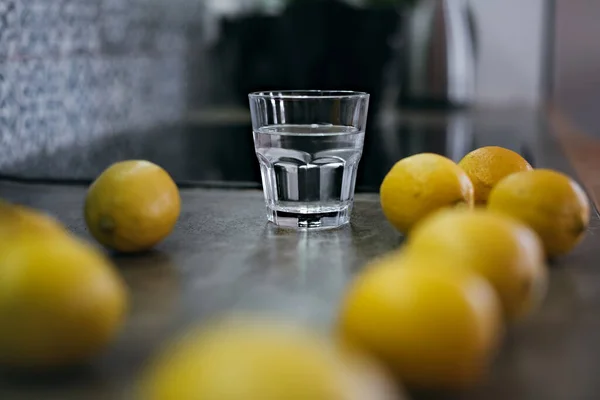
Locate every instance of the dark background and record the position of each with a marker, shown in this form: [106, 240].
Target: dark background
[84, 84]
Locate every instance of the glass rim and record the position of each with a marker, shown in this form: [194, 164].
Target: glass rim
[308, 94]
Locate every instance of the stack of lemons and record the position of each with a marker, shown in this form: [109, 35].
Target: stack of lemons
[62, 301]
[498, 179]
[474, 261]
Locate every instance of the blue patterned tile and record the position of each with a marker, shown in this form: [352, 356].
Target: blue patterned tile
[56, 75]
[79, 73]
[75, 70]
[83, 39]
[141, 88]
[35, 43]
[30, 82]
[6, 87]
[9, 112]
[39, 14]
[80, 12]
[114, 22]
[9, 28]
[170, 41]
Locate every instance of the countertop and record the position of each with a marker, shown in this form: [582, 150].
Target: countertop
[223, 257]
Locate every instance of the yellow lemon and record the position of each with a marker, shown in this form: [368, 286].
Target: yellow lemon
[251, 358]
[61, 301]
[132, 206]
[486, 166]
[504, 251]
[434, 327]
[17, 220]
[550, 202]
[420, 184]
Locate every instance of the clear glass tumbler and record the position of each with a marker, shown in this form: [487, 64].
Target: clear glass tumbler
[309, 144]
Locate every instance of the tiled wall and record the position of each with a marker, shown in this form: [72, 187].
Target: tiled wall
[74, 70]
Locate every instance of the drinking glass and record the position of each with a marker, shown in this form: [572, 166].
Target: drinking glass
[309, 144]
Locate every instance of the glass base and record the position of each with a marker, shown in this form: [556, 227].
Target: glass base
[322, 220]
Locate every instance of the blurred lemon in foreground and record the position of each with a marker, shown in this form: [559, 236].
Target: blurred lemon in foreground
[550, 202]
[504, 251]
[254, 359]
[434, 327]
[420, 184]
[61, 301]
[17, 220]
[486, 166]
[132, 206]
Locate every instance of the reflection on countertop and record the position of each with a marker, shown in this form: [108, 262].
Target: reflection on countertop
[215, 146]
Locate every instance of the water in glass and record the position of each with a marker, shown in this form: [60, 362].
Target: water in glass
[308, 172]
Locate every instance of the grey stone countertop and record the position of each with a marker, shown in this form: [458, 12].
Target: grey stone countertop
[224, 257]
